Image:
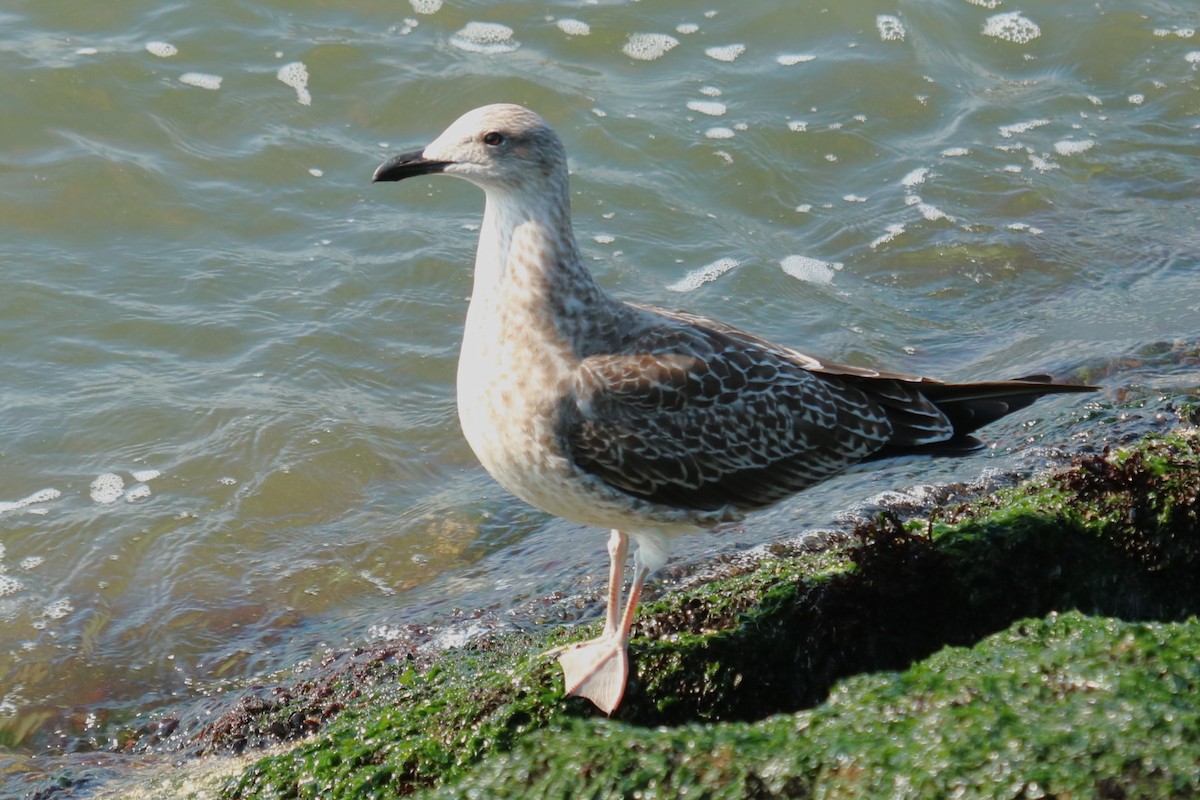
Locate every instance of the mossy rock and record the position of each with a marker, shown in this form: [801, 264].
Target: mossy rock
[1037, 642]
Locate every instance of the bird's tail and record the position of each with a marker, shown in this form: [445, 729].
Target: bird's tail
[969, 407]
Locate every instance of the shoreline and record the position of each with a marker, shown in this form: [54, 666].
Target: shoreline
[780, 648]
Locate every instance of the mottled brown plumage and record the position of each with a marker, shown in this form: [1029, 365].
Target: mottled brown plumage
[645, 421]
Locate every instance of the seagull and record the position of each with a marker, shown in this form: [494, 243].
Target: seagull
[648, 422]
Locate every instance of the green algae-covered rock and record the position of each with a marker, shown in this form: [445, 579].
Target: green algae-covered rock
[1066, 706]
[1040, 641]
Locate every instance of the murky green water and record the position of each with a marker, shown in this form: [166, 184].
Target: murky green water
[227, 430]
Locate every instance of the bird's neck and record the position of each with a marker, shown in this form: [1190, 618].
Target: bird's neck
[528, 267]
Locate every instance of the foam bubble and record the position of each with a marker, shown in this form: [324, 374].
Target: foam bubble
[107, 488]
[201, 80]
[315, 172]
[9, 585]
[729, 52]
[703, 275]
[933, 213]
[426, 6]
[915, 178]
[809, 269]
[892, 232]
[58, 609]
[138, 492]
[985, 3]
[295, 75]
[573, 27]
[686, 27]
[788, 59]
[144, 475]
[955, 152]
[42, 496]
[1193, 57]
[710, 107]
[485, 37]
[891, 29]
[161, 49]
[649, 46]
[1070, 147]
[797, 125]
[1007, 131]
[710, 91]
[1011, 27]
[719, 133]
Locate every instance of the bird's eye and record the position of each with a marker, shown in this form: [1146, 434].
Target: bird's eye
[493, 138]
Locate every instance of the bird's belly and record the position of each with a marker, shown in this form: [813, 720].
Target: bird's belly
[514, 439]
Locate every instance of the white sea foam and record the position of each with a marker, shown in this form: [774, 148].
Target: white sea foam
[485, 37]
[891, 29]
[728, 52]
[1070, 147]
[686, 27]
[955, 152]
[201, 80]
[719, 132]
[573, 27]
[1011, 27]
[1008, 131]
[426, 6]
[892, 232]
[139, 492]
[933, 213]
[58, 609]
[161, 49]
[788, 59]
[295, 75]
[710, 107]
[703, 275]
[107, 488]
[797, 125]
[1022, 227]
[809, 269]
[649, 46]
[144, 475]
[41, 496]
[915, 178]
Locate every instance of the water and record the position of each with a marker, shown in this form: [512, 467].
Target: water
[227, 430]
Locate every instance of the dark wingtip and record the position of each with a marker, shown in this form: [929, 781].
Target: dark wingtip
[407, 165]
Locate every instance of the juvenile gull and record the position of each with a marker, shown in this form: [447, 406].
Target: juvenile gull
[648, 422]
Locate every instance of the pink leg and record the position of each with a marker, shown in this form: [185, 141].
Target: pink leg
[598, 669]
[618, 552]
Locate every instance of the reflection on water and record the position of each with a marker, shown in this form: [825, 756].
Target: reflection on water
[228, 437]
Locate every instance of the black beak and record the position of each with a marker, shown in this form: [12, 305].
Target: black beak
[407, 165]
